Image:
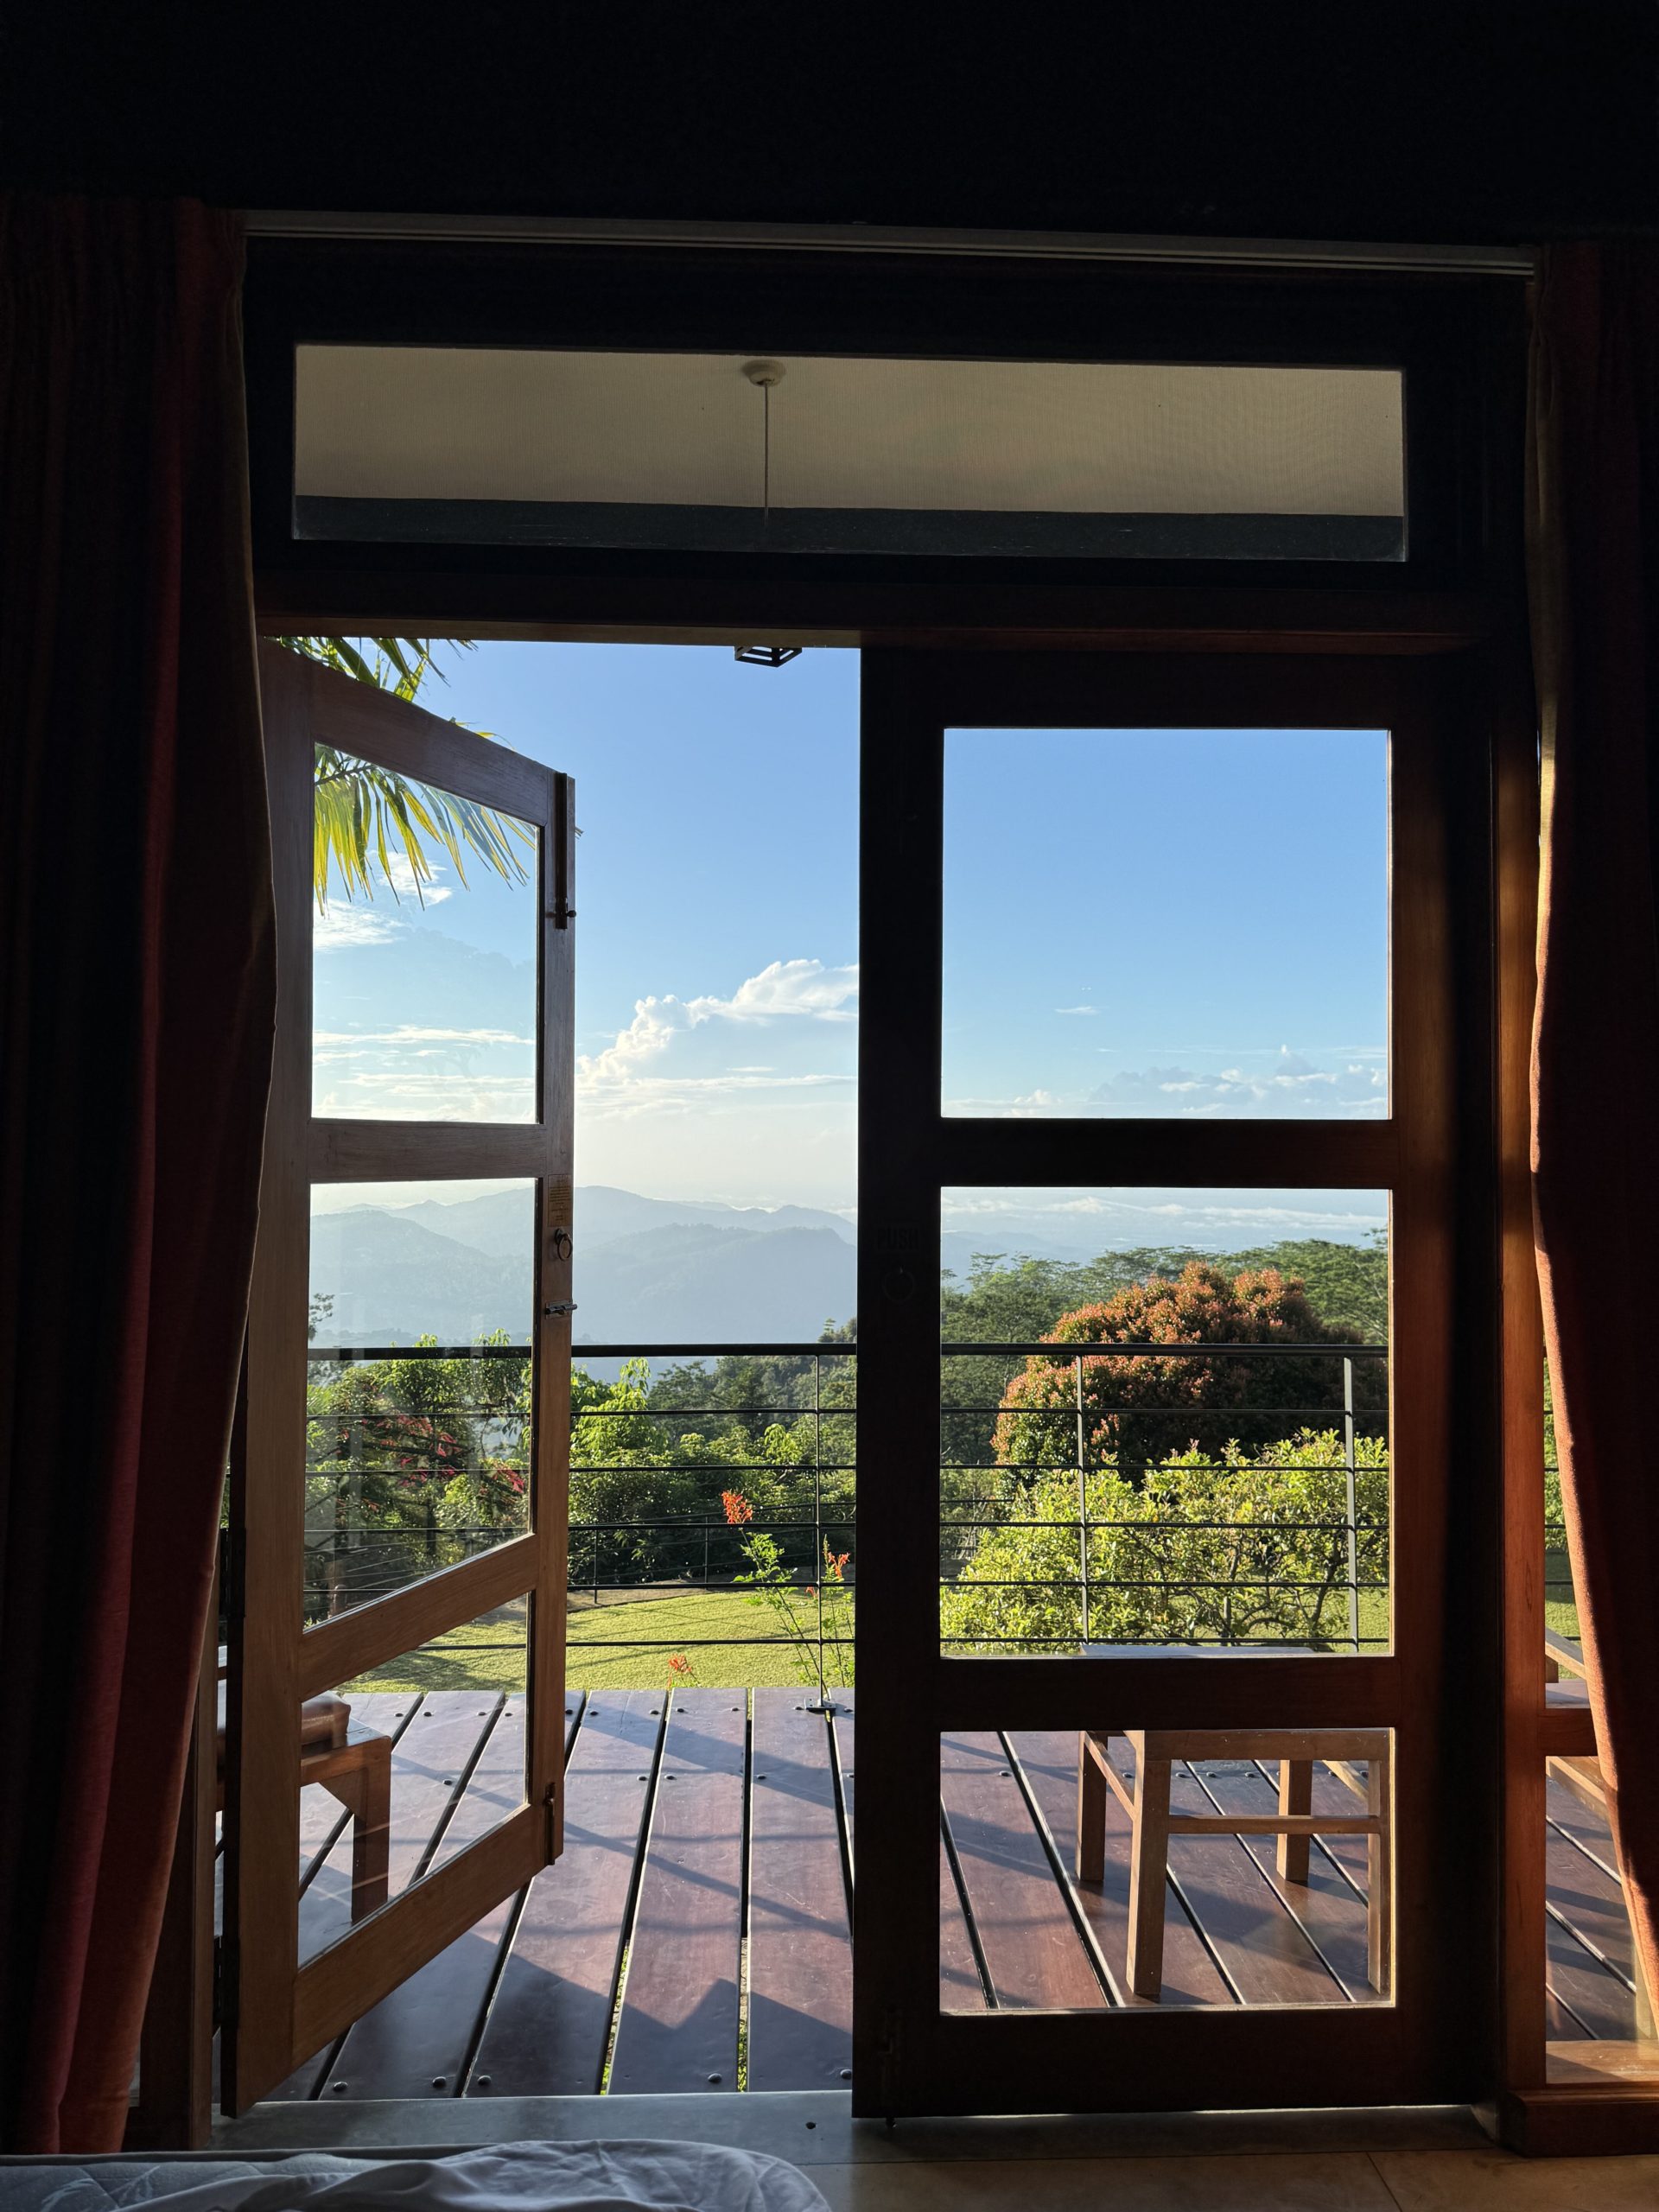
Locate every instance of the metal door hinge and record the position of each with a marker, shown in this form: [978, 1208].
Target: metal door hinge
[559, 1306]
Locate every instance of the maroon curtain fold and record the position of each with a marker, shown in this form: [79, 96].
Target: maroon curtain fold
[1594, 567]
[137, 1001]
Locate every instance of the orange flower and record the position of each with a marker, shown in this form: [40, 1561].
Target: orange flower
[738, 1508]
[679, 1666]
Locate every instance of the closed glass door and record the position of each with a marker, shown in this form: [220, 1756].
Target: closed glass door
[1183, 1754]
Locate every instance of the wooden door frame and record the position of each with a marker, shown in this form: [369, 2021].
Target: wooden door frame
[1435, 1154]
[277, 2012]
[1484, 632]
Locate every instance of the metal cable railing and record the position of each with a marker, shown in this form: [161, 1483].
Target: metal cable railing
[630, 1554]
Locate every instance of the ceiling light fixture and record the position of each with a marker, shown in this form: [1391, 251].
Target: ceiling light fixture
[765, 374]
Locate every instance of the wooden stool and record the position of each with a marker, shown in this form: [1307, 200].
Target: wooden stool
[353, 1765]
[1152, 1823]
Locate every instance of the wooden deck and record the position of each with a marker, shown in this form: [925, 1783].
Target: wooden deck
[696, 1935]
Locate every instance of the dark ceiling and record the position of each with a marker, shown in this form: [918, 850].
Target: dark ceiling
[1509, 121]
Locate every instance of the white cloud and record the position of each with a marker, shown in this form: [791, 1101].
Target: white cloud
[399, 874]
[1286, 1085]
[346, 922]
[794, 991]
[343, 924]
[787, 986]
[1077, 1009]
[410, 1034]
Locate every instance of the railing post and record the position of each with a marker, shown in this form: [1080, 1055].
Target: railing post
[1352, 1499]
[823, 1704]
[1082, 1498]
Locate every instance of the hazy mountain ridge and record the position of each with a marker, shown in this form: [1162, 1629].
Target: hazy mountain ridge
[647, 1270]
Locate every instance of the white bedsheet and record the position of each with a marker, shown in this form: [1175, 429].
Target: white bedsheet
[516, 2177]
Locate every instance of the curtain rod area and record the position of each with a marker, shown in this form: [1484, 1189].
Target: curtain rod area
[859, 237]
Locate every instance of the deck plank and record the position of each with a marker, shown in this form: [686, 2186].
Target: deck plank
[1330, 1905]
[1264, 1953]
[415, 2042]
[429, 1760]
[495, 1788]
[1590, 1900]
[1595, 1996]
[800, 1930]
[1049, 1758]
[1588, 1829]
[962, 1987]
[677, 2027]
[426, 1765]
[550, 2017]
[1033, 1952]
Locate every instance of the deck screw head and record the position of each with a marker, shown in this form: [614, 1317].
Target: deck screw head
[846, 2073]
[714, 2079]
[336, 2086]
[439, 2080]
[483, 2082]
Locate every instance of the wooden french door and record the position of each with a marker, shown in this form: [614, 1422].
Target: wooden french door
[1422, 1679]
[419, 1487]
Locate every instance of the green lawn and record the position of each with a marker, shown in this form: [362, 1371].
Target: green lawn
[647, 1634]
[700, 1625]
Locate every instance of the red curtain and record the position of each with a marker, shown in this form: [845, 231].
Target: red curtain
[1594, 565]
[137, 1001]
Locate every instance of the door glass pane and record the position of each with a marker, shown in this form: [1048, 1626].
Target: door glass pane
[1230, 1492]
[1043, 1909]
[419, 1426]
[815, 453]
[424, 941]
[405, 1765]
[1168, 924]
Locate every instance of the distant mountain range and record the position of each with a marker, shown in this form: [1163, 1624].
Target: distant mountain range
[655, 1270]
[647, 1270]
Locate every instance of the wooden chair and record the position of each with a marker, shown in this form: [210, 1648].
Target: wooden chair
[353, 1765]
[1146, 1800]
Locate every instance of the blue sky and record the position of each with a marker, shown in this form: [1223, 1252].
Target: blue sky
[1178, 922]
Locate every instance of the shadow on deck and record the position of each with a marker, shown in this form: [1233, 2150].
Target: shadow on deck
[695, 1935]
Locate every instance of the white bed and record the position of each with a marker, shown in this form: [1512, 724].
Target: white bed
[504, 2178]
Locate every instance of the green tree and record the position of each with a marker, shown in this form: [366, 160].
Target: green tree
[647, 1481]
[412, 1463]
[1225, 1549]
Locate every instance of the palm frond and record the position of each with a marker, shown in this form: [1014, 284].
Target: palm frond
[367, 815]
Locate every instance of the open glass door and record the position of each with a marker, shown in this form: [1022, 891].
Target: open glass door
[399, 1477]
[1183, 1746]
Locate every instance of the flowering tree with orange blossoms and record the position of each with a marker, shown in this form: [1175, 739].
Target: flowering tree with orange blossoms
[1138, 1409]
